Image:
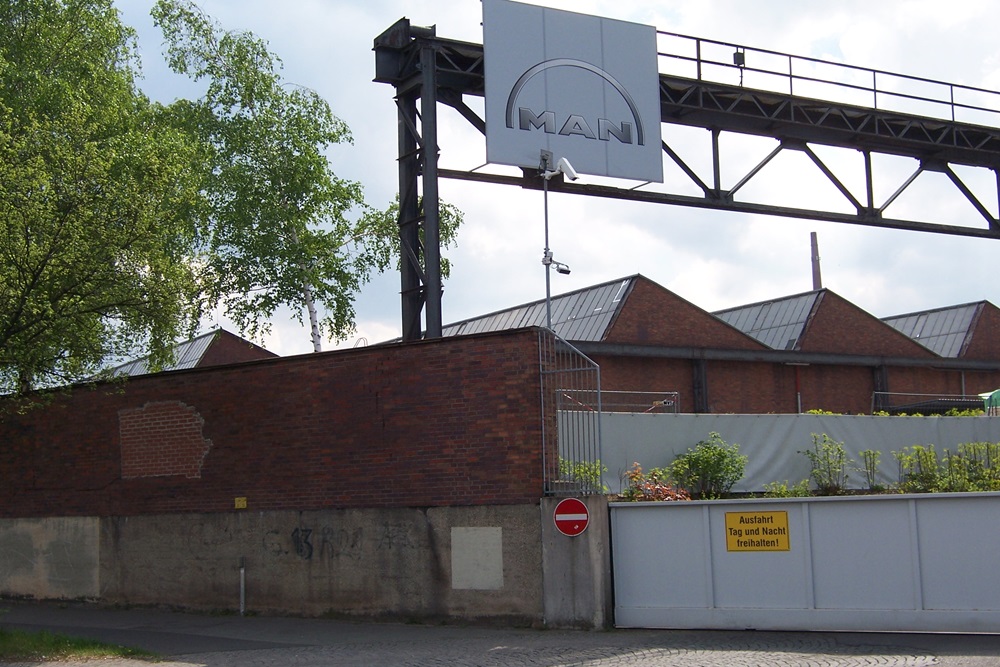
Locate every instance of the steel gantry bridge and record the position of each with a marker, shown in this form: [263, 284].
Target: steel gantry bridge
[723, 87]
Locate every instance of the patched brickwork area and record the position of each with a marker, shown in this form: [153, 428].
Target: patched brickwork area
[162, 439]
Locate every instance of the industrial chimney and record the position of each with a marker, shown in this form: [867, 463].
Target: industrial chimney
[817, 279]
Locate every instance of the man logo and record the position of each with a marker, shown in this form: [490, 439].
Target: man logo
[581, 87]
[575, 124]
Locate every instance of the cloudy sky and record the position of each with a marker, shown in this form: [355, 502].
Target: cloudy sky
[714, 259]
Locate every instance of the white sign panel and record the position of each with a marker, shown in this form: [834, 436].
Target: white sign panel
[583, 87]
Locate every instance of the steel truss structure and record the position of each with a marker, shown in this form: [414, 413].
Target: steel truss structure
[428, 70]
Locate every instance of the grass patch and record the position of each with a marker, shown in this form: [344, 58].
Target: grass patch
[23, 645]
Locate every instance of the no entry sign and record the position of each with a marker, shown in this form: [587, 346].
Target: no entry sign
[571, 517]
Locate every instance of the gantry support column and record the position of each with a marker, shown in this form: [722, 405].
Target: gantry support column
[410, 66]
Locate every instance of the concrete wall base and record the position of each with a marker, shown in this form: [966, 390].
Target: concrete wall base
[462, 563]
[577, 570]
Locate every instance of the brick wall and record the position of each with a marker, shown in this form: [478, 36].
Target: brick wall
[161, 439]
[653, 315]
[985, 343]
[840, 327]
[748, 387]
[436, 423]
[227, 348]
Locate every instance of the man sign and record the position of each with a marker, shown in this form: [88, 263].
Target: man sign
[582, 87]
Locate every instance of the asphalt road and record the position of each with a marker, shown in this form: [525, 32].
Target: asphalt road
[202, 640]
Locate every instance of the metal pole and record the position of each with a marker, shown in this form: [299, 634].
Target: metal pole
[547, 259]
[431, 208]
[243, 586]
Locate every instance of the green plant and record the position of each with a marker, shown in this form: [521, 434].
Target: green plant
[972, 412]
[870, 459]
[782, 490]
[983, 464]
[654, 485]
[817, 411]
[586, 473]
[829, 465]
[710, 468]
[23, 645]
[918, 469]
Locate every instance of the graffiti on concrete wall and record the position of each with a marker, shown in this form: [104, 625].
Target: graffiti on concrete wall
[330, 542]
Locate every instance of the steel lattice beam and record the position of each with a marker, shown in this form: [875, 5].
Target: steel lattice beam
[427, 69]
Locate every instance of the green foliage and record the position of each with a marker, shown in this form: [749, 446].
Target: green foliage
[974, 466]
[586, 473]
[820, 412]
[918, 469]
[981, 461]
[93, 193]
[710, 468]
[783, 490]
[280, 227]
[654, 485]
[870, 459]
[971, 412]
[829, 465]
[123, 221]
[22, 645]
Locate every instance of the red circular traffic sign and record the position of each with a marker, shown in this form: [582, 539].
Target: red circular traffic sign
[571, 517]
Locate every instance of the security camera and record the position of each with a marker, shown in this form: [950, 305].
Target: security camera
[565, 167]
[561, 268]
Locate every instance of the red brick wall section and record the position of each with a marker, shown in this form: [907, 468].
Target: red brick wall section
[653, 315]
[447, 422]
[227, 348]
[161, 439]
[985, 343]
[840, 327]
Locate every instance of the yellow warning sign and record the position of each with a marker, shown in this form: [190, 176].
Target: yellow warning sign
[757, 531]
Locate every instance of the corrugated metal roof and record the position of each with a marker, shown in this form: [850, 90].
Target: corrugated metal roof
[187, 355]
[779, 324]
[583, 315]
[942, 330]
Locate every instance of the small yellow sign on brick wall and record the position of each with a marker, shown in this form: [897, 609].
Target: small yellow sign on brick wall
[757, 531]
[241, 503]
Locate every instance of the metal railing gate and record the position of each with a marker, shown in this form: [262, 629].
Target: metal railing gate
[571, 418]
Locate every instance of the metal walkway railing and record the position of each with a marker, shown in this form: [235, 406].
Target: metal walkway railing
[571, 418]
[762, 69]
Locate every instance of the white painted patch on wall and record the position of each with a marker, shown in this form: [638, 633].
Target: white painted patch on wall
[477, 558]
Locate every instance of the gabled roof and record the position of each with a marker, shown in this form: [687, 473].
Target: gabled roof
[195, 353]
[583, 315]
[945, 331]
[779, 323]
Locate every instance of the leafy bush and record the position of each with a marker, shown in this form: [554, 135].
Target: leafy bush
[710, 468]
[829, 465]
[982, 461]
[871, 458]
[587, 473]
[970, 412]
[653, 485]
[918, 469]
[974, 467]
[782, 490]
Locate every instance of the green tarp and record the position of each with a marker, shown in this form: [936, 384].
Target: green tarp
[991, 399]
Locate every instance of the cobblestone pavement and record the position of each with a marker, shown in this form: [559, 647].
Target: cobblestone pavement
[193, 640]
